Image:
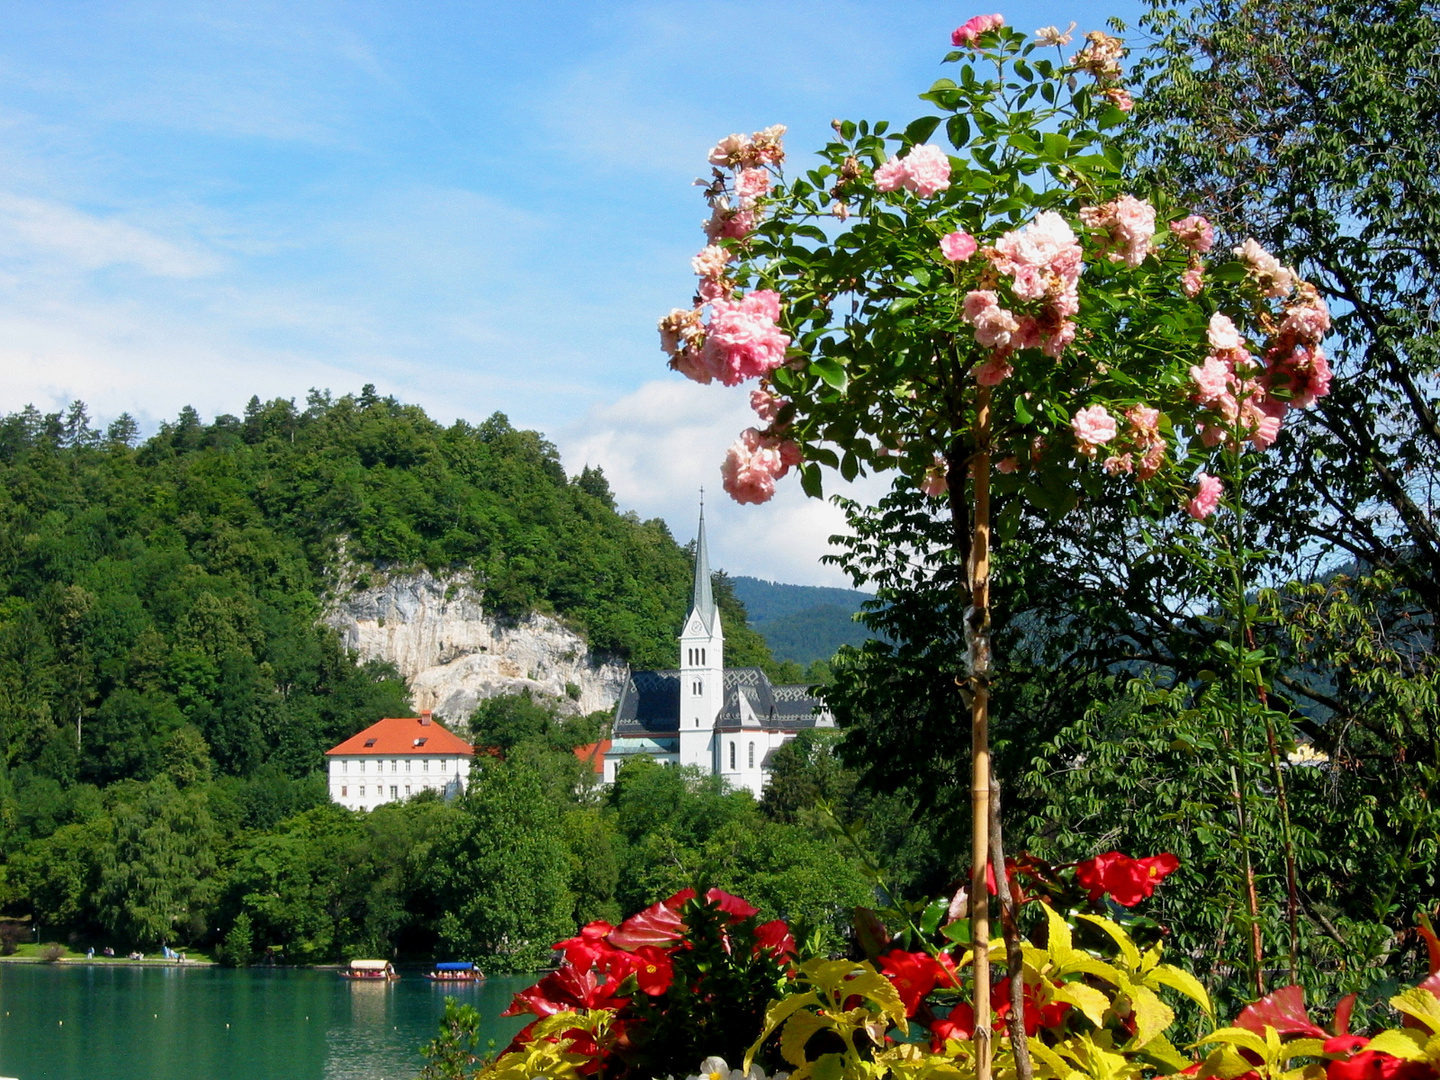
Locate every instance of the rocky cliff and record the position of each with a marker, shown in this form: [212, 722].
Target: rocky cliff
[454, 654]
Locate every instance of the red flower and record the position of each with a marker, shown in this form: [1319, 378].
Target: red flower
[1345, 1044]
[566, 990]
[1036, 1016]
[959, 1025]
[658, 924]
[582, 951]
[1127, 880]
[914, 975]
[775, 938]
[1372, 1065]
[733, 906]
[651, 967]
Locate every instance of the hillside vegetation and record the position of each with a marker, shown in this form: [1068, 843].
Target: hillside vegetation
[167, 691]
[153, 596]
[803, 623]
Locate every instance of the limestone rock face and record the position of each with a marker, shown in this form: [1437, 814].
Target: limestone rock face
[454, 654]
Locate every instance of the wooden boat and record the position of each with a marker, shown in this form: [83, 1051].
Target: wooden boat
[370, 971]
[455, 971]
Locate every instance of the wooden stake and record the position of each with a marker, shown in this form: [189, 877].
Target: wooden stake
[978, 639]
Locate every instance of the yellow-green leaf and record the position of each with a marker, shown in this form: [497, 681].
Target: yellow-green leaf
[1179, 979]
[1152, 1016]
[1407, 1043]
[1421, 1004]
[1087, 999]
[777, 1014]
[1302, 1048]
[1128, 949]
[1049, 1065]
[1059, 944]
[798, 1030]
[1234, 1036]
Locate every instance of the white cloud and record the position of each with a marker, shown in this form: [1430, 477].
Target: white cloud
[661, 444]
[53, 231]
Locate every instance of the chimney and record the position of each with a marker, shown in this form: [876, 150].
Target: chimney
[425, 717]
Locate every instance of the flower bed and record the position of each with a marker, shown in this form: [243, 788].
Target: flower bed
[699, 978]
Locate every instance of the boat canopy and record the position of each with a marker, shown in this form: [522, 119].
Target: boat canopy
[455, 965]
[369, 965]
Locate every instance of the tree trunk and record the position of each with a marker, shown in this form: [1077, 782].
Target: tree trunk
[977, 633]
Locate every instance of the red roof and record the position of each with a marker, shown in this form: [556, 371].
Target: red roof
[394, 736]
[593, 754]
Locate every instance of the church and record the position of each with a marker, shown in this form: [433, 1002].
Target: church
[726, 721]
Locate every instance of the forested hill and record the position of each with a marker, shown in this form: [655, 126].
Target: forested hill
[803, 623]
[161, 600]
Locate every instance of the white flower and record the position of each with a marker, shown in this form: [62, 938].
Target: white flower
[715, 1068]
[1051, 35]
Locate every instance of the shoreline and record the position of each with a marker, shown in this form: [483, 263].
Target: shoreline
[108, 961]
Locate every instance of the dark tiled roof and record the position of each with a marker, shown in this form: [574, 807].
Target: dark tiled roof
[650, 704]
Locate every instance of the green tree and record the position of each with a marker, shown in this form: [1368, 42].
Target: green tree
[502, 872]
[158, 880]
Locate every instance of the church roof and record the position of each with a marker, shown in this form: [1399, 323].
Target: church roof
[702, 598]
[396, 735]
[650, 704]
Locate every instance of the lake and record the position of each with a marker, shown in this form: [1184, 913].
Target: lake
[103, 1022]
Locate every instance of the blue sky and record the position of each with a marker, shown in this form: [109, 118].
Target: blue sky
[476, 207]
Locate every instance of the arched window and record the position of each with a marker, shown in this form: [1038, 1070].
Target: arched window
[732, 755]
[752, 755]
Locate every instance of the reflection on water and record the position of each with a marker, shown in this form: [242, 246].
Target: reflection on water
[82, 1022]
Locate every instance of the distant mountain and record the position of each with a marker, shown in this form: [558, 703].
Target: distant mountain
[802, 623]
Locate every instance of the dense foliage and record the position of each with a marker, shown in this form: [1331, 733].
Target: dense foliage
[167, 688]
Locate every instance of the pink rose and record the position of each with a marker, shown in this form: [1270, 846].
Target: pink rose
[1093, 426]
[1153, 458]
[1130, 227]
[752, 183]
[974, 27]
[929, 170]
[753, 464]
[711, 261]
[1211, 379]
[1207, 497]
[742, 340]
[958, 246]
[766, 405]
[1223, 335]
[1192, 281]
[935, 482]
[1120, 98]
[1144, 421]
[993, 324]
[993, 371]
[1008, 464]
[925, 170]
[1194, 232]
[890, 176]
[1273, 279]
[730, 149]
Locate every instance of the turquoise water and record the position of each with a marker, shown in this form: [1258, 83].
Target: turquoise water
[94, 1022]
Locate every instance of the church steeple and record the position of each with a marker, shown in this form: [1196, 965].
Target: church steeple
[702, 601]
[702, 665]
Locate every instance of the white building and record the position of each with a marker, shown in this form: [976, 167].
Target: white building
[397, 757]
[726, 722]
